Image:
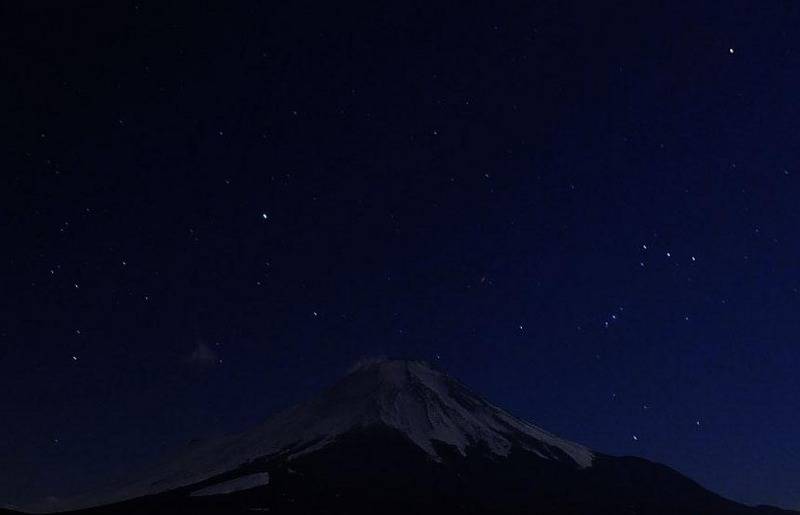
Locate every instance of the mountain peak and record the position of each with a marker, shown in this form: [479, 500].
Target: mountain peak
[430, 407]
[390, 371]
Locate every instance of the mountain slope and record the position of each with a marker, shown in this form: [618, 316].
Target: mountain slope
[399, 436]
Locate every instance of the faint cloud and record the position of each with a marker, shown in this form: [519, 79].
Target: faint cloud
[203, 355]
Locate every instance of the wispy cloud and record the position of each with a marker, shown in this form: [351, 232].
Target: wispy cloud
[203, 355]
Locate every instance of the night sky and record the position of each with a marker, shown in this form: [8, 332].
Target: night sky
[588, 214]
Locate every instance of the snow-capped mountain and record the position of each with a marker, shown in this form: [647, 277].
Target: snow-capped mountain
[398, 433]
[420, 402]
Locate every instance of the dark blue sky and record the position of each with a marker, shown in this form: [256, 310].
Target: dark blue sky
[589, 214]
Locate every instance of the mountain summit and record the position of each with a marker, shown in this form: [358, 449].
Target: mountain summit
[395, 436]
[427, 406]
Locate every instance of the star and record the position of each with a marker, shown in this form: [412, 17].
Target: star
[74, 358]
[730, 51]
[635, 438]
[264, 216]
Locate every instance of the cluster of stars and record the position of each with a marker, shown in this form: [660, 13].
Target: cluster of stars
[667, 253]
[613, 317]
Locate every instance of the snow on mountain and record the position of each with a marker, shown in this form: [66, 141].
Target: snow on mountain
[234, 485]
[419, 401]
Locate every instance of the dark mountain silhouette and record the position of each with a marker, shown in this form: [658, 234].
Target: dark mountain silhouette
[401, 437]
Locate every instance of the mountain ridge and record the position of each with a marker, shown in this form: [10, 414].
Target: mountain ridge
[388, 420]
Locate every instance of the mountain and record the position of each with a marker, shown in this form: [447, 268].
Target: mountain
[399, 436]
